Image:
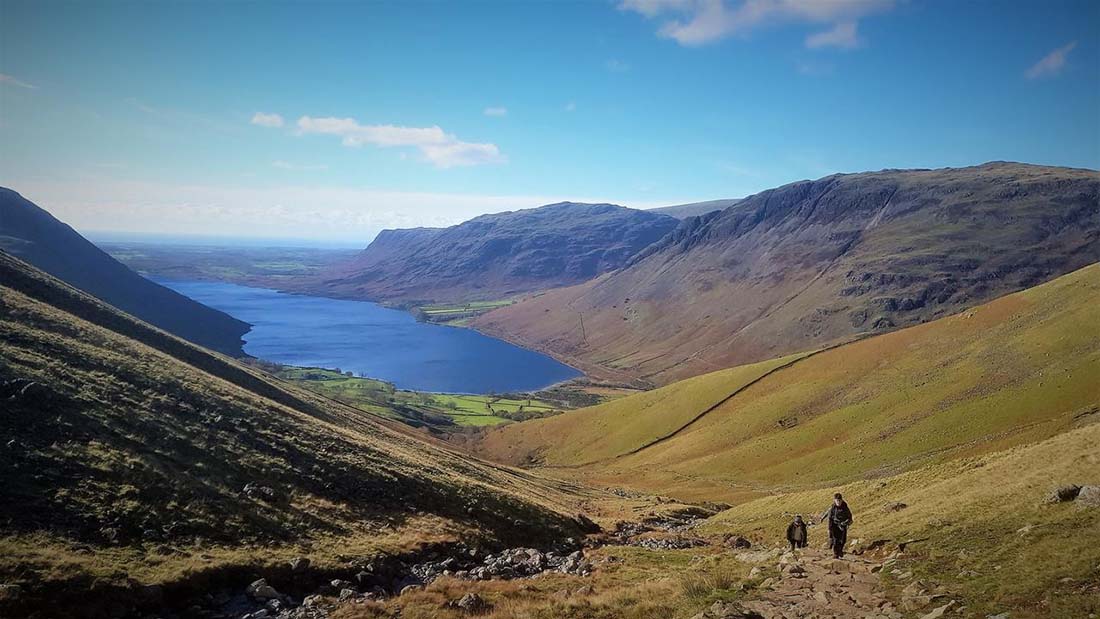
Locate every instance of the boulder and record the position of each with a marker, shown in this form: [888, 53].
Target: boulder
[260, 590]
[312, 601]
[253, 490]
[1063, 494]
[737, 541]
[1089, 496]
[939, 611]
[470, 603]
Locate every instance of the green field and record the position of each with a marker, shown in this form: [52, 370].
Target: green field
[415, 408]
[457, 314]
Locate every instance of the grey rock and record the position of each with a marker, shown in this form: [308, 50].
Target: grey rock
[253, 490]
[262, 591]
[1089, 496]
[471, 603]
[1063, 494]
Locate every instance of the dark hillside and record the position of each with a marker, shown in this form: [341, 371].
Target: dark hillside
[34, 235]
[129, 454]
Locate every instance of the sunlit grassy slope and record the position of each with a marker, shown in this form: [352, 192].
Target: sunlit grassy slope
[617, 427]
[128, 458]
[1016, 370]
[986, 532]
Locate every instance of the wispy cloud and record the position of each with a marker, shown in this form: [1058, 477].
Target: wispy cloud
[286, 165]
[570, 107]
[267, 120]
[442, 149]
[698, 22]
[297, 211]
[842, 36]
[616, 66]
[1051, 64]
[496, 111]
[8, 79]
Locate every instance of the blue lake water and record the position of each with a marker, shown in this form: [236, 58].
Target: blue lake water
[376, 341]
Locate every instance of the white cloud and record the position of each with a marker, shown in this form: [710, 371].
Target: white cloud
[616, 66]
[1051, 64]
[570, 107]
[286, 165]
[842, 36]
[496, 111]
[442, 149]
[329, 213]
[698, 22]
[267, 120]
[7, 79]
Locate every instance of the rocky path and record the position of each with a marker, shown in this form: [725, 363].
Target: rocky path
[812, 585]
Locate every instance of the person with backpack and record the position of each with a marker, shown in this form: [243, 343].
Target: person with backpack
[796, 533]
[840, 518]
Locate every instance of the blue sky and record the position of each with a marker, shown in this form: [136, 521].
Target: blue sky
[331, 121]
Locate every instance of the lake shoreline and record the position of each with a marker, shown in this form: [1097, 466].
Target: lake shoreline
[371, 339]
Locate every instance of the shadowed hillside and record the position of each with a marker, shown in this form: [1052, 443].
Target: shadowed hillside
[816, 262]
[134, 458]
[1019, 369]
[499, 255]
[34, 235]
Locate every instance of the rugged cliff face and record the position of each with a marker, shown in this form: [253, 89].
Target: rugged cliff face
[37, 237]
[498, 255]
[816, 262]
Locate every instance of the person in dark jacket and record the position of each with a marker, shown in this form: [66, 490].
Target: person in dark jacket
[840, 518]
[796, 533]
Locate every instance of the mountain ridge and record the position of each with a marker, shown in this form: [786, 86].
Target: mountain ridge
[30, 232]
[497, 255]
[815, 262]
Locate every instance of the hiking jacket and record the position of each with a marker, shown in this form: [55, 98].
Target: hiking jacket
[791, 532]
[839, 516]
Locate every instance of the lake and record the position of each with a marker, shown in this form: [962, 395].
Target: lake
[376, 341]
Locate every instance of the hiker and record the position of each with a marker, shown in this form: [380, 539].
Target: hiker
[840, 518]
[796, 533]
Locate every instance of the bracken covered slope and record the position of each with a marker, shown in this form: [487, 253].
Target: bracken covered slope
[132, 457]
[34, 235]
[817, 262]
[1019, 369]
[499, 255]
